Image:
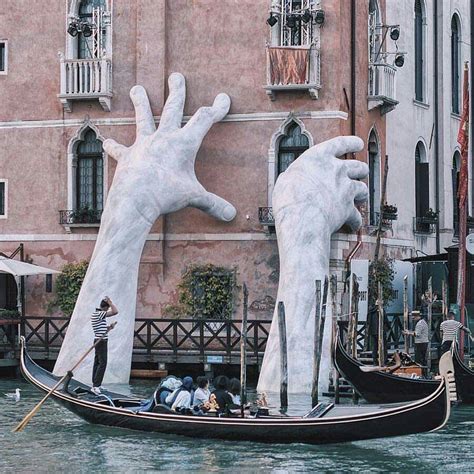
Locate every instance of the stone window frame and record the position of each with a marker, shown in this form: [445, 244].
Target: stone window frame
[4, 71]
[272, 161]
[5, 198]
[72, 163]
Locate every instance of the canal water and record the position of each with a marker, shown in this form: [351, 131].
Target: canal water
[57, 441]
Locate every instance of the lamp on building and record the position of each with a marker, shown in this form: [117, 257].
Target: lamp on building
[272, 20]
[395, 33]
[319, 17]
[399, 59]
[86, 30]
[73, 28]
[291, 21]
[306, 16]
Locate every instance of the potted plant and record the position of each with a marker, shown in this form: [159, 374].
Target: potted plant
[389, 212]
[430, 217]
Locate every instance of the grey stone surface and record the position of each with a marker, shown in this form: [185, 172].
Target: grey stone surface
[312, 199]
[155, 176]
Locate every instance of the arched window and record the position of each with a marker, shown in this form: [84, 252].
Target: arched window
[455, 176]
[375, 21]
[455, 63]
[422, 181]
[90, 173]
[419, 50]
[292, 145]
[374, 178]
[293, 29]
[92, 45]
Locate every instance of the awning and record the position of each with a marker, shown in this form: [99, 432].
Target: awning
[441, 257]
[17, 268]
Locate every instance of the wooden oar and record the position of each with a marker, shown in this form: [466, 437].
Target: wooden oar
[32, 413]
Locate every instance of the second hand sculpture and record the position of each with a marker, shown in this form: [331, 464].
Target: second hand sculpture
[155, 176]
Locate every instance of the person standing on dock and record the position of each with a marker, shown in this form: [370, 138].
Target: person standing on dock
[99, 326]
[450, 329]
[421, 334]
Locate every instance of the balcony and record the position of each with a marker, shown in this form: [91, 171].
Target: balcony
[424, 225]
[265, 216]
[80, 218]
[293, 69]
[86, 79]
[382, 87]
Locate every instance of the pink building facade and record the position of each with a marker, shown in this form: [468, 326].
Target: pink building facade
[62, 93]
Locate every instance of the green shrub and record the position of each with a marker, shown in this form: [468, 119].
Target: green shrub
[68, 285]
[205, 292]
[9, 313]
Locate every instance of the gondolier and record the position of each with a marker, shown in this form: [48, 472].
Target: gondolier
[450, 329]
[421, 334]
[99, 326]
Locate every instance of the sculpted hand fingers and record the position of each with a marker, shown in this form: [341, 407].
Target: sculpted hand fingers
[172, 114]
[356, 169]
[144, 117]
[114, 149]
[361, 192]
[355, 219]
[201, 122]
[215, 206]
[340, 146]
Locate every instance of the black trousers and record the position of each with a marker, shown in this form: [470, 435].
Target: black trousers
[421, 349]
[100, 363]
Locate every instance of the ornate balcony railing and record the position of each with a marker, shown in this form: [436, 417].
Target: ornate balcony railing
[382, 87]
[84, 79]
[293, 68]
[265, 216]
[424, 225]
[80, 216]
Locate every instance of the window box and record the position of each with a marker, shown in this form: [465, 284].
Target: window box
[389, 213]
[84, 217]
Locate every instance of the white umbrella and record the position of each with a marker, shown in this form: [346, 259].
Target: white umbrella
[17, 268]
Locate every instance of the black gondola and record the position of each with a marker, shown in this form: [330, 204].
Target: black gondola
[379, 387]
[464, 378]
[324, 424]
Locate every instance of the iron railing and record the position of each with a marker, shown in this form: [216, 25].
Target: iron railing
[265, 216]
[70, 217]
[424, 225]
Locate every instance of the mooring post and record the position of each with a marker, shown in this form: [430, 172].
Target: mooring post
[355, 319]
[283, 357]
[381, 348]
[335, 376]
[243, 352]
[317, 335]
[405, 311]
[430, 319]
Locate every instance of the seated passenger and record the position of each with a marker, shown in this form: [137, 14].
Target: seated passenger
[202, 393]
[167, 386]
[223, 397]
[181, 399]
[234, 390]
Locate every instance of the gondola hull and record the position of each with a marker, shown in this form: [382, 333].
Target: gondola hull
[379, 387]
[352, 424]
[464, 378]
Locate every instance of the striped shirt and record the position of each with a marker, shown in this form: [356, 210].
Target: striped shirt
[421, 332]
[99, 325]
[450, 329]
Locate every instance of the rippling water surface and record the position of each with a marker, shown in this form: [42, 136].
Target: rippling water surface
[56, 440]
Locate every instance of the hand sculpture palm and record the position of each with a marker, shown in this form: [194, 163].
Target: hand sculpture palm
[154, 176]
[164, 158]
[312, 199]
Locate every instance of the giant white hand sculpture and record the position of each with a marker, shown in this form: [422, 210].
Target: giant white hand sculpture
[154, 176]
[312, 199]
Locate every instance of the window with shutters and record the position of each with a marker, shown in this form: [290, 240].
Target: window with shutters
[419, 51]
[455, 64]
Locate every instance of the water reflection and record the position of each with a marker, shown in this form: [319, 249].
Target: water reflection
[55, 440]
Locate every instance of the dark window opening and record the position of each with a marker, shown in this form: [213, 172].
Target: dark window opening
[3, 57]
[455, 73]
[422, 186]
[291, 146]
[2, 198]
[419, 51]
[374, 179]
[49, 283]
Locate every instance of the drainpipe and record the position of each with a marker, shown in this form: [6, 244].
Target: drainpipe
[436, 115]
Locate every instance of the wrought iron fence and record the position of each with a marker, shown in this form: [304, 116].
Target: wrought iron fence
[80, 216]
[265, 216]
[424, 225]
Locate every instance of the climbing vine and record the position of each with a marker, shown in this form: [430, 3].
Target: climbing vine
[205, 292]
[381, 271]
[68, 285]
